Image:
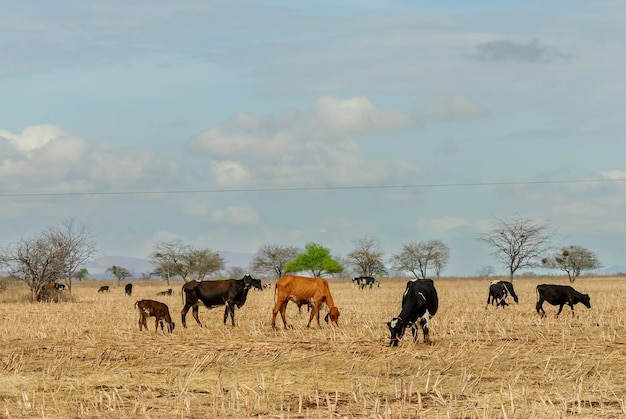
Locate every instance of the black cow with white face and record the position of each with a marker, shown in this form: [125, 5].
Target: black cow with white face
[559, 295]
[498, 291]
[364, 281]
[419, 303]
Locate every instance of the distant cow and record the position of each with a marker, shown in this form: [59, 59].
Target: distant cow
[156, 309]
[267, 285]
[104, 288]
[228, 293]
[364, 281]
[168, 292]
[560, 295]
[128, 289]
[419, 302]
[303, 290]
[60, 287]
[498, 291]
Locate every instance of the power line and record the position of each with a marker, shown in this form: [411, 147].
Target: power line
[311, 188]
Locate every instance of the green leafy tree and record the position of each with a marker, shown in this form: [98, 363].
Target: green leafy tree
[119, 272]
[573, 260]
[315, 259]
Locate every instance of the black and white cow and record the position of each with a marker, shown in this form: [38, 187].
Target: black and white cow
[364, 281]
[498, 291]
[419, 303]
[560, 295]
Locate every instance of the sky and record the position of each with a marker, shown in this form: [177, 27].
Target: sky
[230, 125]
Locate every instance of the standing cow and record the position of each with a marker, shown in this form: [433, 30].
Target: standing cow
[304, 290]
[419, 303]
[228, 293]
[498, 291]
[559, 295]
[128, 289]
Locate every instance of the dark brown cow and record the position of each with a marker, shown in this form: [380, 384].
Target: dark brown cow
[156, 309]
[228, 293]
[168, 292]
[104, 288]
[304, 290]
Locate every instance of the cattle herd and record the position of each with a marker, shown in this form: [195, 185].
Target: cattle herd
[419, 304]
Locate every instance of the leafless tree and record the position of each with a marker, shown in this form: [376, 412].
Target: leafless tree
[367, 257]
[36, 261]
[77, 244]
[573, 260]
[518, 242]
[236, 272]
[418, 257]
[173, 259]
[272, 258]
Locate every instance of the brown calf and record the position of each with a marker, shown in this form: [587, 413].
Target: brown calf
[168, 292]
[156, 309]
[104, 288]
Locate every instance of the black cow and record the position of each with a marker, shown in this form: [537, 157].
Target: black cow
[560, 295]
[128, 289]
[419, 302]
[60, 287]
[363, 281]
[498, 291]
[228, 293]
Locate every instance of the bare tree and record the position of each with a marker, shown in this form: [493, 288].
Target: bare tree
[77, 244]
[36, 261]
[236, 272]
[272, 258]
[573, 260]
[367, 257]
[173, 259]
[518, 242]
[417, 258]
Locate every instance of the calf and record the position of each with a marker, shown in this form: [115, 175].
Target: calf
[560, 295]
[498, 291]
[156, 309]
[128, 289]
[168, 292]
[104, 288]
[419, 302]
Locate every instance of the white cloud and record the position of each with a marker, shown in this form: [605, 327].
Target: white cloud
[229, 173]
[448, 108]
[235, 215]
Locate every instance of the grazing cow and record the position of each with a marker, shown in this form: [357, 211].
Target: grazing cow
[303, 290]
[104, 288]
[364, 281]
[419, 302]
[267, 285]
[228, 293]
[60, 287]
[498, 291]
[560, 295]
[168, 292]
[156, 309]
[128, 289]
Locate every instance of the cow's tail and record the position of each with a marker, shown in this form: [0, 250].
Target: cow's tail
[275, 292]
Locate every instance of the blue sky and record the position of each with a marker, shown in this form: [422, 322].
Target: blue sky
[291, 119]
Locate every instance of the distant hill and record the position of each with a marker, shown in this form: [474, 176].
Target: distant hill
[142, 267]
[612, 270]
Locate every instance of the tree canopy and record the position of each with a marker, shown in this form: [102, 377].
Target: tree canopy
[573, 260]
[367, 257]
[418, 257]
[315, 259]
[272, 258]
[174, 259]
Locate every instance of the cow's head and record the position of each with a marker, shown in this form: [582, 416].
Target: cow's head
[333, 315]
[250, 282]
[396, 326]
[585, 300]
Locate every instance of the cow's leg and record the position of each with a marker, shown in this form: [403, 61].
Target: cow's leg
[571, 305]
[183, 314]
[156, 324]
[277, 308]
[229, 309]
[560, 309]
[314, 312]
[142, 320]
[283, 310]
[539, 308]
[194, 312]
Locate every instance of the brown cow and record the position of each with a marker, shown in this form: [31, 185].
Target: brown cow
[301, 289]
[156, 309]
[104, 288]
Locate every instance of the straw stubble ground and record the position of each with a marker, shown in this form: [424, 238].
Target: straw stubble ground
[87, 358]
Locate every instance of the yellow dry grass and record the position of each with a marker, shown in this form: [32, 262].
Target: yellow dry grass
[86, 358]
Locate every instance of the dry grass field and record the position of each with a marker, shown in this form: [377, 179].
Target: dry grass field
[86, 358]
